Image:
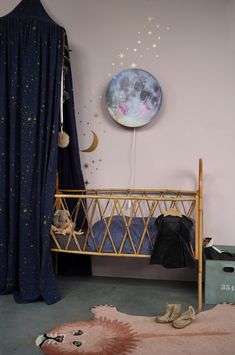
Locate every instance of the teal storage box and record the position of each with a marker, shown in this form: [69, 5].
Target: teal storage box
[220, 279]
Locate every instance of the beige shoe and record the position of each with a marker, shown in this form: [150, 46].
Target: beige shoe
[172, 312]
[184, 319]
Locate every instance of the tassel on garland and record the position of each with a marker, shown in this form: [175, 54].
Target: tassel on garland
[63, 139]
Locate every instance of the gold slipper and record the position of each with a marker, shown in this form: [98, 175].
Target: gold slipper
[184, 319]
[172, 312]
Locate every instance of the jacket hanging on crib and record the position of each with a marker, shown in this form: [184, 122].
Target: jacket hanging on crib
[172, 247]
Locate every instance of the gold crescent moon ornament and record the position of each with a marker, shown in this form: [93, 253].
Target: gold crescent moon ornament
[93, 145]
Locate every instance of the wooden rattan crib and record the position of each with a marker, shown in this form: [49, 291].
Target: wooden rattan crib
[106, 204]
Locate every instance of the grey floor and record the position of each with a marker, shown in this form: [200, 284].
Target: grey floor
[21, 324]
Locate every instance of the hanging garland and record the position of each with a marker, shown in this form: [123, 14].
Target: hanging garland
[63, 138]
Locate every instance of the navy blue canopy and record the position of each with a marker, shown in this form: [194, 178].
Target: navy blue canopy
[32, 48]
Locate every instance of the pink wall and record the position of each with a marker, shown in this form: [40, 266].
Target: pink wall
[194, 61]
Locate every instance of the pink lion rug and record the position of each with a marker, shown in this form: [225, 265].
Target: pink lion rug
[112, 332]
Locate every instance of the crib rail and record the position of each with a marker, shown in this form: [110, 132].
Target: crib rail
[87, 207]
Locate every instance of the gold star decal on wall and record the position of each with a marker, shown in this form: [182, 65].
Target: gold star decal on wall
[121, 55]
[150, 18]
[92, 89]
[133, 65]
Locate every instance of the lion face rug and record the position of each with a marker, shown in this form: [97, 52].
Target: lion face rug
[111, 332]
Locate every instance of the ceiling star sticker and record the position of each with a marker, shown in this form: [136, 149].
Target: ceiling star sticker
[121, 55]
[133, 65]
[150, 18]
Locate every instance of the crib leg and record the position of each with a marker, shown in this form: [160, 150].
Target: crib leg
[199, 290]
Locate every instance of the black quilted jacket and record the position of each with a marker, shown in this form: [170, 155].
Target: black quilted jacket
[172, 247]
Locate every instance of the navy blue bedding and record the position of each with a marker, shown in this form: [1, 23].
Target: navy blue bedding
[118, 229]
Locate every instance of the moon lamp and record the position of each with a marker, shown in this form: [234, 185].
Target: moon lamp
[133, 97]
